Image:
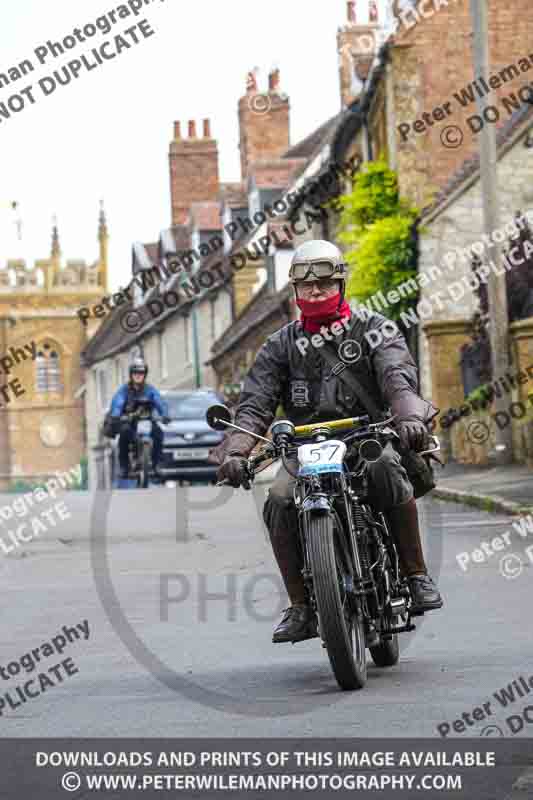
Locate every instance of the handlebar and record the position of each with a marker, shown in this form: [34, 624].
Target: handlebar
[140, 413]
[271, 451]
[333, 425]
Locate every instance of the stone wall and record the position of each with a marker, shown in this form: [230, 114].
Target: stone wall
[471, 439]
[459, 225]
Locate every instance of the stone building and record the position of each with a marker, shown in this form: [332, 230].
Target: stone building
[42, 430]
[452, 226]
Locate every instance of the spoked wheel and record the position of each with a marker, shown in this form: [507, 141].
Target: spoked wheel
[341, 630]
[144, 467]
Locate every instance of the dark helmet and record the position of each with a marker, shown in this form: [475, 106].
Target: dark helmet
[138, 365]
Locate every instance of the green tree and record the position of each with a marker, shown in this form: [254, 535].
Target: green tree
[378, 228]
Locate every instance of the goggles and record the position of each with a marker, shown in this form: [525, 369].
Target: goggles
[315, 270]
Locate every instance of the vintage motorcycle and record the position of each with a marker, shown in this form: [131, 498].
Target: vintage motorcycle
[140, 449]
[351, 569]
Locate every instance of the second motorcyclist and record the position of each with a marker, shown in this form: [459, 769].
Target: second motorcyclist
[125, 401]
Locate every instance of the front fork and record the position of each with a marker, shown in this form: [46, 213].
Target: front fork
[318, 502]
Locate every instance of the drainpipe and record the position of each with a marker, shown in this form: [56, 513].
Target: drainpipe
[196, 348]
[368, 139]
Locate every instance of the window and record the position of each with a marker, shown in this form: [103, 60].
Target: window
[226, 220]
[254, 202]
[41, 372]
[137, 294]
[212, 309]
[101, 384]
[163, 363]
[48, 370]
[54, 373]
[186, 339]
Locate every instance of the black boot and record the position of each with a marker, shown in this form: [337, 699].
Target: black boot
[405, 530]
[424, 593]
[298, 623]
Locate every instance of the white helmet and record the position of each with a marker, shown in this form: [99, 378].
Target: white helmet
[317, 259]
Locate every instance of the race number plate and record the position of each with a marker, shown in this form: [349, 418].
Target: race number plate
[188, 454]
[322, 457]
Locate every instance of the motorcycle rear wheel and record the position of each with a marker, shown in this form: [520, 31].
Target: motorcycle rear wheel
[342, 631]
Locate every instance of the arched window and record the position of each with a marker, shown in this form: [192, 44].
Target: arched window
[41, 372]
[48, 370]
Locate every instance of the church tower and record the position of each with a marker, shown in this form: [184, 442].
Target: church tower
[42, 428]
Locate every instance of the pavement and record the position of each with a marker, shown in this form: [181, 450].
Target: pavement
[506, 489]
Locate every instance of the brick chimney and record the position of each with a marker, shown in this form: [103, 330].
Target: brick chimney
[263, 121]
[193, 170]
[357, 42]
[273, 80]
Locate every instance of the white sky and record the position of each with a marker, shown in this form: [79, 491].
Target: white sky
[106, 135]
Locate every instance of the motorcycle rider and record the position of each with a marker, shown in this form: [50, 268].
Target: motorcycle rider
[310, 392]
[125, 401]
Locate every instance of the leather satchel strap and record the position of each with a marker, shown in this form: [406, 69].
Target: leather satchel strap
[342, 371]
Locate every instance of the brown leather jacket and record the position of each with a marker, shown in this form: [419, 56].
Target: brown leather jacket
[308, 392]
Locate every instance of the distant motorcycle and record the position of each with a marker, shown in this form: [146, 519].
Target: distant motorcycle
[351, 569]
[140, 449]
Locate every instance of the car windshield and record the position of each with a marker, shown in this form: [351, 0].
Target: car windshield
[190, 406]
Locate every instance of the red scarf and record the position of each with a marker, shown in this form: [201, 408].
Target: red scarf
[322, 312]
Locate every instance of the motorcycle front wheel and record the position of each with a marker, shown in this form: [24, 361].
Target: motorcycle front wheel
[341, 630]
[144, 466]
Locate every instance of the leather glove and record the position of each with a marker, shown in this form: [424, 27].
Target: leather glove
[413, 434]
[234, 471]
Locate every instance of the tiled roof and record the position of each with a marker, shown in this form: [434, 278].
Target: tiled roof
[152, 251]
[112, 337]
[469, 168]
[109, 336]
[275, 227]
[206, 216]
[182, 236]
[233, 194]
